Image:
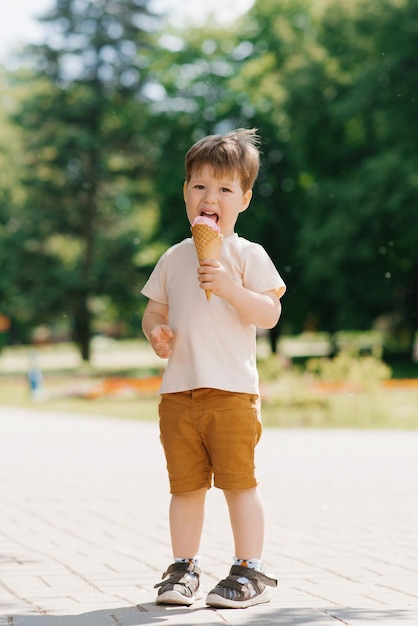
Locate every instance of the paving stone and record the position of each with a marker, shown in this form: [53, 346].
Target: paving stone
[84, 533]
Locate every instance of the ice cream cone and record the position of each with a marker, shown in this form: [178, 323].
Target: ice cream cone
[208, 244]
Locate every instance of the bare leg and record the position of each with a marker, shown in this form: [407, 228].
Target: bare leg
[246, 512]
[186, 522]
[248, 583]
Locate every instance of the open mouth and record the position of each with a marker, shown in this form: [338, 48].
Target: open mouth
[211, 215]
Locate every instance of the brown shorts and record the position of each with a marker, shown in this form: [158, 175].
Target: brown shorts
[209, 433]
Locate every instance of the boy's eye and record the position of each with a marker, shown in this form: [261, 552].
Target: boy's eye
[225, 189]
[199, 187]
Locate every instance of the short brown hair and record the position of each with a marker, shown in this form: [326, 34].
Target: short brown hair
[236, 152]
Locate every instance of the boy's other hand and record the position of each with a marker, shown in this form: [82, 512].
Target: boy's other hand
[160, 337]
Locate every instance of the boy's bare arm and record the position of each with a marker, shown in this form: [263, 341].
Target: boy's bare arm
[260, 309]
[156, 328]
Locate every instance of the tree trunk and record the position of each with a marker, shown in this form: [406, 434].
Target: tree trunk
[82, 328]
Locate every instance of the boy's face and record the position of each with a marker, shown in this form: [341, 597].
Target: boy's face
[221, 199]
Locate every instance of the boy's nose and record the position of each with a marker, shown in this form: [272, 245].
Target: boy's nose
[211, 196]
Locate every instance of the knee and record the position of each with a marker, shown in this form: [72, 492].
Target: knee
[189, 497]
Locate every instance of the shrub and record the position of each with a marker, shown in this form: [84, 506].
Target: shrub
[363, 372]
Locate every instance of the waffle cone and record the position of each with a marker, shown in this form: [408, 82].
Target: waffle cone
[208, 244]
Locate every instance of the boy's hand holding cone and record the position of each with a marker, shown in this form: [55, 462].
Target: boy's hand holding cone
[207, 240]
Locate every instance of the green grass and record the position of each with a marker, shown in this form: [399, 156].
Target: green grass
[375, 409]
[62, 394]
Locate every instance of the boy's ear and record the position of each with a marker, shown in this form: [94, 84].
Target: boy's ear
[184, 189]
[246, 199]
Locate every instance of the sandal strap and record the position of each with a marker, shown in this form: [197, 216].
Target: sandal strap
[231, 583]
[239, 571]
[176, 571]
[252, 574]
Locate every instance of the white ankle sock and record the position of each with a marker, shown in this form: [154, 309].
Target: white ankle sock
[195, 560]
[253, 563]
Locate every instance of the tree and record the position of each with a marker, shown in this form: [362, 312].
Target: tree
[86, 160]
[11, 197]
[358, 240]
[334, 92]
[114, 108]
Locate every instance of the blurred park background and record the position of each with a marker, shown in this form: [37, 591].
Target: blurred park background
[96, 118]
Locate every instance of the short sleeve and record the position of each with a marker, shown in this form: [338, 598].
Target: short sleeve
[156, 286]
[259, 272]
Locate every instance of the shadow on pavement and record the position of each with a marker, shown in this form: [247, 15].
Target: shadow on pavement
[130, 616]
[152, 614]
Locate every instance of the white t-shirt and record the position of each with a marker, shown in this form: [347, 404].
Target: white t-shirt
[212, 346]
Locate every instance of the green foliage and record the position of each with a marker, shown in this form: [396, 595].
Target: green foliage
[354, 240]
[344, 391]
[374, 409]
[363, 372]
[110, 104]
[357, 343]
[83, 123]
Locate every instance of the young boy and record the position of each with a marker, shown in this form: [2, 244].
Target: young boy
[209, 410]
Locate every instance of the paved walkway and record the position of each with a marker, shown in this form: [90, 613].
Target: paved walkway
[84, 534]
